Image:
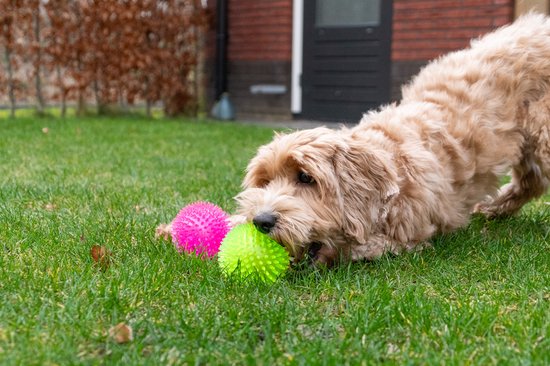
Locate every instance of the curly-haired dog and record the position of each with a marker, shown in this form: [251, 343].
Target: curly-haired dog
[421, 167]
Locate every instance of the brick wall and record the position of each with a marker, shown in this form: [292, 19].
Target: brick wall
[426, 29]
[259, 53]
[260, 30]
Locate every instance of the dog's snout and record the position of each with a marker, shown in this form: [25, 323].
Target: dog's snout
[265, 222]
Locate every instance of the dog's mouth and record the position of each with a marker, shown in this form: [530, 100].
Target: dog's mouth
[304, 252]
[297, 247]
[313, 249]
[296, 251]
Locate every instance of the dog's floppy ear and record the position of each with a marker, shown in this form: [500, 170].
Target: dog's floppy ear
[368, 182]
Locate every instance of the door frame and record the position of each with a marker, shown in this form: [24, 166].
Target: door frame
[297, 56]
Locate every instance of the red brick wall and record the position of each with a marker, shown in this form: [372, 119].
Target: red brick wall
[425, 29]
[260, 30]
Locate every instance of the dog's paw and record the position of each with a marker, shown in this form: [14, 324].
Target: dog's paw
[163, 231]
[235, 220]
[487, 210]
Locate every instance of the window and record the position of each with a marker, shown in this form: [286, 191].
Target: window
[344, 13]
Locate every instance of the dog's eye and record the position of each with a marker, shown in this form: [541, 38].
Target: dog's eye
[305, 178]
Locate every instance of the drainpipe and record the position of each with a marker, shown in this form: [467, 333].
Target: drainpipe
[221, 48]
[222, 109]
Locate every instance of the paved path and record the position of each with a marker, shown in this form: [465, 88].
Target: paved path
[296, 124]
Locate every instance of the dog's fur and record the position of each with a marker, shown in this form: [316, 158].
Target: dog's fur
[421, 167]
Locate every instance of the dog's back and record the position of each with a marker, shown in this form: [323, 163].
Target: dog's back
[495, 99]
[511, 63]
[471, 116]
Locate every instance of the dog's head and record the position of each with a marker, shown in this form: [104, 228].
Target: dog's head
[317, 186]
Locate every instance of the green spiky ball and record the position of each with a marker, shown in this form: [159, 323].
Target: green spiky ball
[246, 253]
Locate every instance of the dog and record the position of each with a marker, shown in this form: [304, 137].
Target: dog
[414, 169]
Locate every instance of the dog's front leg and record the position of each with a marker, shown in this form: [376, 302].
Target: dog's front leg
[235, 220]
[163, 231]
[349, 250]
[376, 246]
[380, 244]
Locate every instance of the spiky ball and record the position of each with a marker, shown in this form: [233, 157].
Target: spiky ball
[200, 228]
[246, 253]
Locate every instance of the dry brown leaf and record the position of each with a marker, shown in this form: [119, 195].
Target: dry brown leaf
[121, 333]
[141, 209]
[101, 255]
[50, 206]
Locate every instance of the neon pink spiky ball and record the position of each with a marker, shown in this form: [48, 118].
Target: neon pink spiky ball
[200, 228]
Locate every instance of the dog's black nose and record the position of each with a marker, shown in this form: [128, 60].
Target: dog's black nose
[265, 222]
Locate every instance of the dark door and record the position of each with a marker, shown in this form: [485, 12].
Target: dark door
[346, 58]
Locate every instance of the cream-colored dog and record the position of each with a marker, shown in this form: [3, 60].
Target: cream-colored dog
[421, 167]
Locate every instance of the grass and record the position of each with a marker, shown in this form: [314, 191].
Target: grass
[481, 296]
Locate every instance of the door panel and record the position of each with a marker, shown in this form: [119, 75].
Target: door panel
[346, 58]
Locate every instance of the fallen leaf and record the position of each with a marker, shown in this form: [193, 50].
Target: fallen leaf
[50, 206]
[392, 348]
[3, 335]
[121, 333]
[141, 209]
[289, 356]
[101, 255]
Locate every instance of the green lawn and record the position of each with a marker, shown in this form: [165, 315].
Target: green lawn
[481, 296]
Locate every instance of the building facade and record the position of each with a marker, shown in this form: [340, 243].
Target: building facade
[335, 59]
